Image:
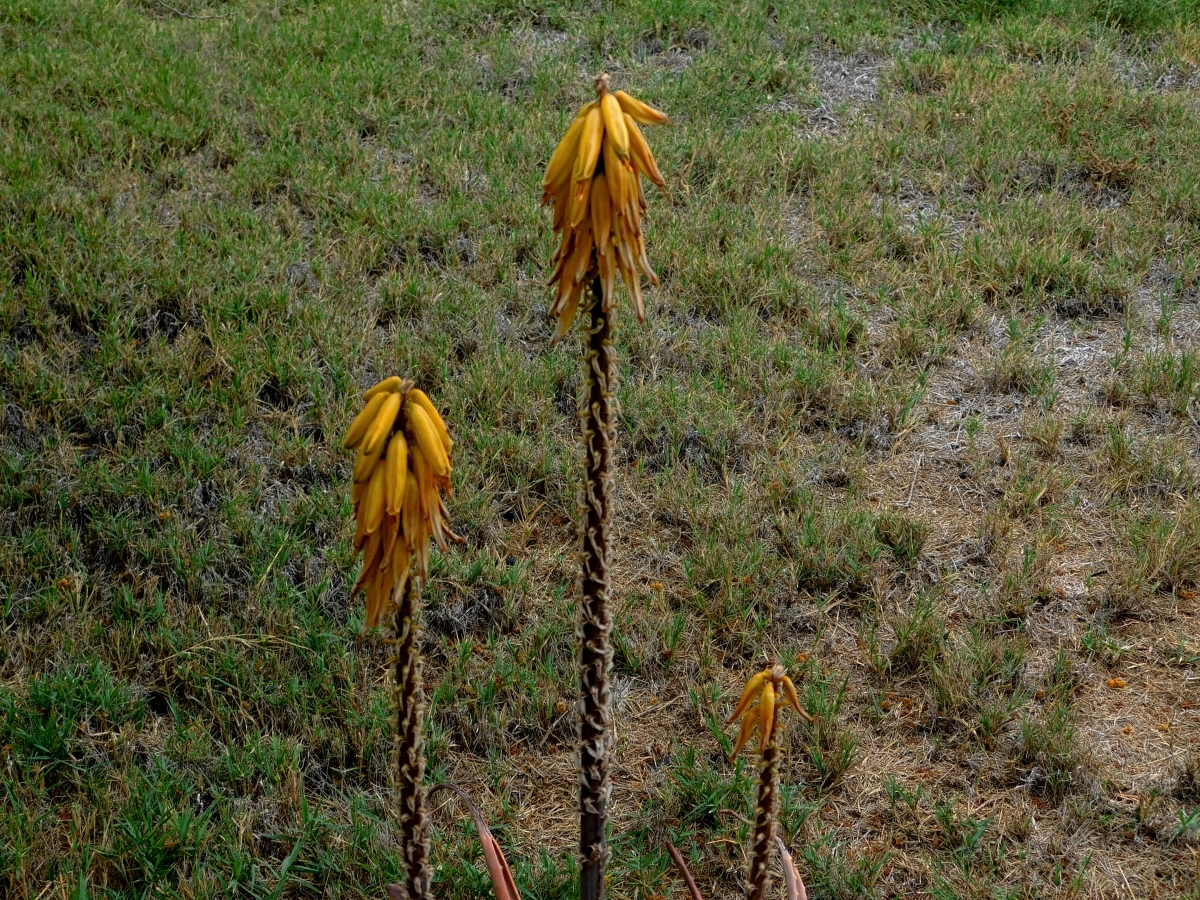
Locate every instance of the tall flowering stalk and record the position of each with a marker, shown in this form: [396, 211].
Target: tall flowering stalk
[402, 470]
[593, 181]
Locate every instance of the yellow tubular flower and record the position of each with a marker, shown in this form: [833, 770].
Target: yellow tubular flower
[397, 466]
[601, 216]
[377, 595]
[377, 434]
[365, 464]
[789, 693]
[390, 529]
[640, 112]
[589, 150]
[387, 386]
[439, 424]
[566, 317]
[753, 689]
[562, 199]
[372, 503]
[614, 124]
[641, 153]
[749, 723]
[617, 179]
[563, 160]
[593, 181]
[358, 428]
[578, 262]
[766, 712]
[412, 508]
[432, 450]
[425, 486]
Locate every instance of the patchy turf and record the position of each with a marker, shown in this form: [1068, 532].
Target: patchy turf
[915, 411]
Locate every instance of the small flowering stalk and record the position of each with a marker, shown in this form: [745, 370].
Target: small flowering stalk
[770, 687]
[594, 182]
[402, 470]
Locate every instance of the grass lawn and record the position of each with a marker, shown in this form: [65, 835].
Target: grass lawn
[915, 411]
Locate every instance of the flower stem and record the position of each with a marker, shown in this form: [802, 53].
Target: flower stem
[764, 823]
[410, 760]
[595, 621]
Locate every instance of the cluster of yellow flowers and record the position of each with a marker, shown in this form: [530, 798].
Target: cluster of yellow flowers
[402, 470]
[768, 686]
[594, 181]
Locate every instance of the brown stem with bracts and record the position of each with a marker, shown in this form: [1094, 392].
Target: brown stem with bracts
[412, 806]
[597, 415]
[764, 823]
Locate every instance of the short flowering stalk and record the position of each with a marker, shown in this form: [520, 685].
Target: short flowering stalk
[769, 687]
[400, 476]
